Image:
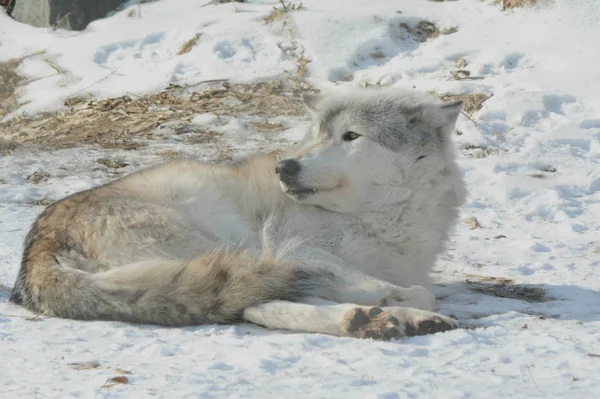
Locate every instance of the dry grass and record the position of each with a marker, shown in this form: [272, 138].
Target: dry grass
[508, 4]
[9, 80]
[128, 122]
[302, 68]
[207, 136]
[187, 46]
[280, 14]
[267, 126]
[7, 146]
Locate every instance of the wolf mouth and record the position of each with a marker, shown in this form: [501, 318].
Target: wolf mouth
[301, 191]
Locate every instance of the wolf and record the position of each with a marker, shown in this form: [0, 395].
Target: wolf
[335, 236]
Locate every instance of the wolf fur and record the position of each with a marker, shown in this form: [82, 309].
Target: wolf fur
[337, 237]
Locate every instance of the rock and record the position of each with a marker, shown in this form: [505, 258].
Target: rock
[63, 14]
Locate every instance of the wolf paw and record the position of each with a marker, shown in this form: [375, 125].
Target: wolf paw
[420, 322]
[431, 325]
[371, 323]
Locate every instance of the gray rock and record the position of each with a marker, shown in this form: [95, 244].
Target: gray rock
[64, 14]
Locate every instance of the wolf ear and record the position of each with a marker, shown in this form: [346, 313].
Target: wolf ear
[451, 111]
[448, 115]
[312, 101]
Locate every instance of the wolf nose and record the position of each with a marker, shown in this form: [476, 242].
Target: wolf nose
[288, 167]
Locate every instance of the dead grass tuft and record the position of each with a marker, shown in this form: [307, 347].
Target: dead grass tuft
[9, 80]
[280, 14]
[187, 46]
[267, 126]
[508, 4]
[505, 288]
[204, 137]
[171, 154]
[38, 177]
[276, 15]
[302, 68]
[477, 151]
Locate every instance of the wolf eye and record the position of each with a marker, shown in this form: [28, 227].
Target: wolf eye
[349, 136]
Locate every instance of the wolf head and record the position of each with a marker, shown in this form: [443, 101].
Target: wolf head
[369, 148]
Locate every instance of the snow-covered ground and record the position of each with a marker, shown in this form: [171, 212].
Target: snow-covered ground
[530, 156]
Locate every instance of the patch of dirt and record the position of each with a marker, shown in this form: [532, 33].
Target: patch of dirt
[112, 163]
[170, 154]
[127, 122]
[478, 152]
[378, 54]
[42, 202]
[7, 146]
[38, 177]
[505, 288]
[426, 30]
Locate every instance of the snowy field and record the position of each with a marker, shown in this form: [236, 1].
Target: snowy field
[522, 273]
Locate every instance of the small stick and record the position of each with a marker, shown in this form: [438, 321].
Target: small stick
[475, 123]
[104, 78]
[450, 362]
[54, 66]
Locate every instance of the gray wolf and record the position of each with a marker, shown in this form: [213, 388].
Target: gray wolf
[337, 236]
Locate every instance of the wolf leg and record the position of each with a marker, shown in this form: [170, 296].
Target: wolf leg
[353, 286]
[367, 290]
[342, 320]
[347, 320]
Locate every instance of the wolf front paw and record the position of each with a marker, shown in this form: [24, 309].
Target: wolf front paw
[432, 325]
[371, 322]
[421, 322]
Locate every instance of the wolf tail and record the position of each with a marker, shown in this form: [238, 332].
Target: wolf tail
[212, 288]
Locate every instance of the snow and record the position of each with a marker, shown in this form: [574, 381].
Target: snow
[534, 186]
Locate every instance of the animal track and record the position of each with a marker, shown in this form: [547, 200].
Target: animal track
[149, 48]
[590, 124]
[511, 60]
[555, 102]
[400, 36]
[242, 50]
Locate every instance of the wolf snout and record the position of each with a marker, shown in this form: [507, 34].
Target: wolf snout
[287, 168]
